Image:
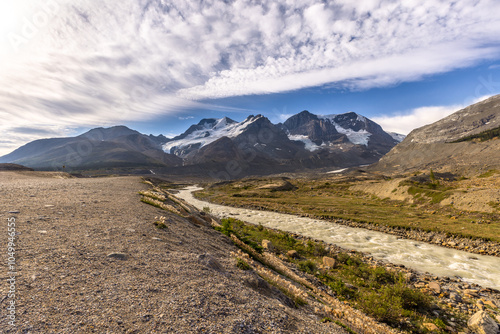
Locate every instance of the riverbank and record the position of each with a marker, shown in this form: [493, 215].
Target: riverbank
[474, 246]
[335, 201]
[453, 295]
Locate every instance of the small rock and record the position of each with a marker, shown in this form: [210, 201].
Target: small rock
[434, 286]
[409, 277]
[42, 232]
[157, 239]
[268, 245]
[329, 262]
[481, 323]
[470, 292]
[49, 205]
[15, 211]
[490, 303]
[455, 296]
[116, 255]
[209, 261]
[431, 327]
[292, 254]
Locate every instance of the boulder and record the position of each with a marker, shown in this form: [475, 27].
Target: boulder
[267, 245]
[328, 262]
[434, 286]
[431, 327]
[210, 262]
[481, 323]
[292, 254]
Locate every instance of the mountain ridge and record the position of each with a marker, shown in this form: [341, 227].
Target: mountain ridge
[434, 146]
[255, 145]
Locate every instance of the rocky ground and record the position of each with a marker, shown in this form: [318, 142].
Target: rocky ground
[90, 260]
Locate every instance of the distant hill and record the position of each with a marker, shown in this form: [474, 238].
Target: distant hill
[116, 146]
[14, 167]
[466, 141]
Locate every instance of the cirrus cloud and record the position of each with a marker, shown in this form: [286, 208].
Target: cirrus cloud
[68, 64]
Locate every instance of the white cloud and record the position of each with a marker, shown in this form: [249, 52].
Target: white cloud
[405, 122]
[67, 64]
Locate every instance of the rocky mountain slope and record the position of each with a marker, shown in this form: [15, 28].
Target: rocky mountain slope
[439, 144]
[97, 148]
[258, 146]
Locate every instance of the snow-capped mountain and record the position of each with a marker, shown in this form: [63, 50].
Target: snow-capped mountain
[304, 140]
[205, 132]
[327, 131]
[223, 148]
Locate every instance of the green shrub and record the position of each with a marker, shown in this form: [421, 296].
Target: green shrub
[342, 291]
[242, 264]
[307, 266]
[160, 225]
[226, 227]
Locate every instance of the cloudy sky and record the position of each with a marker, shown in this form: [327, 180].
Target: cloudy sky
[160, 65]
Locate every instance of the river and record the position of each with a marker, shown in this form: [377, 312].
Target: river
[439, 261]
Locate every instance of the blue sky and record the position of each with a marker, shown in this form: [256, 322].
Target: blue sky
[439, 94]
[160, 65]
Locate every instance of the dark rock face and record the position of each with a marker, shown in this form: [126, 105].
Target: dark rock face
[316, 129]
[431, 146]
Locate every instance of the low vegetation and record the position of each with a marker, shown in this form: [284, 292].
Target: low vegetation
[482, 136]
[386, 296]
[333, 199]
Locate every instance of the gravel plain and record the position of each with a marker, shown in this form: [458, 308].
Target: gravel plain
[90, 260]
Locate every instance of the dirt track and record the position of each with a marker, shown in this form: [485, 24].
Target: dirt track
[66, 283]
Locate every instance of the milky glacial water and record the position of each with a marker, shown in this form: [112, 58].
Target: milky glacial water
[439, 261]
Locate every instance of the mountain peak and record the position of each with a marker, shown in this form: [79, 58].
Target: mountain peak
[109, 133]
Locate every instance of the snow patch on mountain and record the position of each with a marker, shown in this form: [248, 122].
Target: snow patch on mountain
[397, 136]
[210, 132]
[361, 137]
[309, 145]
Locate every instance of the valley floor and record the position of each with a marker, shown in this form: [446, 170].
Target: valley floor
[90, 260]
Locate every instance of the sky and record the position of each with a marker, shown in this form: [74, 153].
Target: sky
[158, 66]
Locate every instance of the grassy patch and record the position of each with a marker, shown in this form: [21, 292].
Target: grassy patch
[347, 329]
[377, 292]
[333, 200]
[489, 173]
[240, 263]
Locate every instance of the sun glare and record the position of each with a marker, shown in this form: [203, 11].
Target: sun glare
[11, 16]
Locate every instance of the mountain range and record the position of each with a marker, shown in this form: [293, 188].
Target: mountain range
[221, 146]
